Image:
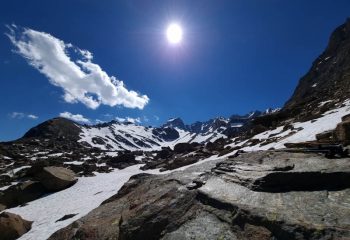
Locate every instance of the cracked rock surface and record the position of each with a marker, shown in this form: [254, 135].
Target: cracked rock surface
[229, 199]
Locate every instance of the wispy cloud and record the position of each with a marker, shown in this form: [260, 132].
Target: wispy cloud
[32, 116]
[81, 79]
[21, 115]
[75, 117]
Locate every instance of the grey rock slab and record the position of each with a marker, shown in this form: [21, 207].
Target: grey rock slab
[313, 210]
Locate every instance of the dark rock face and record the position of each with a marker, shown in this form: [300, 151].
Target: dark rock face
[328, 78]
[175, 123]
[232, 201]
[56, 178]
[122, 161]
[13, 226]
[184, 147]
[166, 133]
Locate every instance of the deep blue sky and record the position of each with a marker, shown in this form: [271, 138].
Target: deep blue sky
[236, 56]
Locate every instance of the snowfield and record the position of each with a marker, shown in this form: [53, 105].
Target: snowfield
[81, 198]
[87, 194]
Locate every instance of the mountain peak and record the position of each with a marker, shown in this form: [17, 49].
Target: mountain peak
[54, 128]
[175, 123]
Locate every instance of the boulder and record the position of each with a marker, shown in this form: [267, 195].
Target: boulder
[179, 162]
[21, 193]
[342, 132]
[346, 118]
[165, 153]
[56, 178]
[214, 146]
[12, 226]
[184, 148]
[122, 161]
[325, 136]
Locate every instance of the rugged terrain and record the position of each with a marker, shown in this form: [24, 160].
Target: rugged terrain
[275, 174]
[264, 195]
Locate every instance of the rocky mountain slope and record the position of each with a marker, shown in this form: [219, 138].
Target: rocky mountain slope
[329, 76]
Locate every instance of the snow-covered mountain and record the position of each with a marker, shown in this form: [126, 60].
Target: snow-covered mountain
[120, 136]
[116, 136]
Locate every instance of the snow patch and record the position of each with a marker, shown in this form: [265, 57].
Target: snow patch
[87, 194]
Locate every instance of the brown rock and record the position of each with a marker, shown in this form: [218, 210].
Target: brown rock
[327, 135]
[56, 178]
[346, 118]
[12, 226]
[20, 194]
[343, 132]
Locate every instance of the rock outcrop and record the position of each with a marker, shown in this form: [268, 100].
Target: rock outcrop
[13, 226]
[285, 171]
[262, 195]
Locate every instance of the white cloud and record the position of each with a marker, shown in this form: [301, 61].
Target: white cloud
[75, 117]
[128, 119]
[81, 79]
[32, 116]
[20, 115]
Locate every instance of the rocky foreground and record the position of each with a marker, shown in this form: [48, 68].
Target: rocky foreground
[261, 195]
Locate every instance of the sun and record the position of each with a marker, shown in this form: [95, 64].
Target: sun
[174, 33]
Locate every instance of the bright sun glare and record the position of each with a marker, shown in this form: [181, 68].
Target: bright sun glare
[174, 33]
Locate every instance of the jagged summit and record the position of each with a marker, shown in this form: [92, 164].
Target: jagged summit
[175, 123]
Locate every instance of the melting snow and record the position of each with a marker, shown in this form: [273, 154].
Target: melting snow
[15, 170]
[84, 196]
[324, 102]
[6, 187]
[308, 131]
[74, 163]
